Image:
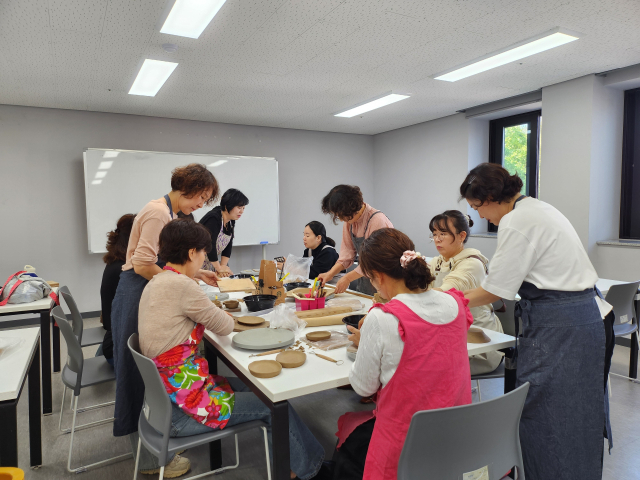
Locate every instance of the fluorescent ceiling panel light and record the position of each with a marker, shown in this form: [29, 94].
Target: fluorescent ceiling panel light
[105, 165]
[218, 163]
[189, 18]
[110, 154]
[96, 182]
[386, 99]
[546, 41]
[101, 174]
[151, 77]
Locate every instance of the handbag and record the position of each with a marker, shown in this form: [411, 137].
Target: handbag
[24, 287]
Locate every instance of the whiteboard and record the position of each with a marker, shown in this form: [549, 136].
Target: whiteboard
[123, 181]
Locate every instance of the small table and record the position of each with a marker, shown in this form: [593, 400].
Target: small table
[43, 307]
[22, 361]
[314, 376]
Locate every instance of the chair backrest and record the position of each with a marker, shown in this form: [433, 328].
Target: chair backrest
[157, 405]
[446, 443]
[76, 318]
[507, 318]
[621, 297]
[75, 357]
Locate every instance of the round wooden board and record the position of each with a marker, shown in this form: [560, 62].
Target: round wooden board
[476, 335]
[238, 327]
[317, 336]
[251, 321]
[291, 359]
[265, 368]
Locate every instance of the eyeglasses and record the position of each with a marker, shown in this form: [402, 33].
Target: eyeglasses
[439, 236]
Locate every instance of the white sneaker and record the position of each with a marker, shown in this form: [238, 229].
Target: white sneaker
[175, 468]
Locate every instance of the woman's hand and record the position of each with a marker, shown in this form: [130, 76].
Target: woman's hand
[210, 278]
[224, 271]
[342, 284]
[325, 277]
[355, 335]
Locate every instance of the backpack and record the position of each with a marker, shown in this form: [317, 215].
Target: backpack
[23, 287]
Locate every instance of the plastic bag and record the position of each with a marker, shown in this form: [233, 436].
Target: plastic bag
[23, 287]
[297, 268]
[356, 305]
[285, 317]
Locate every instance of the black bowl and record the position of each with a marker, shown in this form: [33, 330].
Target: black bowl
[240, 275]
[292, 285]
[353, 320]
[256, 303]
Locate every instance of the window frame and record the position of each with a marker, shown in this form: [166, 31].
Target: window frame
[496, 143]
[630, 142]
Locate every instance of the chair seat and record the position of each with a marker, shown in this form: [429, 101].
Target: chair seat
[497, 373]
[153, 440]
[96, 370]
[624, 329]
[92, 336]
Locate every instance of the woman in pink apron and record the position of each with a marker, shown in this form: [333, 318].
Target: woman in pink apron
[412, 353]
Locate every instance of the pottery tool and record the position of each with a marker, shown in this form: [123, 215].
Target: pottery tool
[270, 352]
[337, 362]
[265, 368]
[291, 359]
[316, 336]
[282, 279]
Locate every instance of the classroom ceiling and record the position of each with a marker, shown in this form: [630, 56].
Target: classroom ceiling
[293, 63]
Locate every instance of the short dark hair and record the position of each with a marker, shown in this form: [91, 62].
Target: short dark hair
[342, 202]
[461, 223]
[118, 240]
[193, 179]
[490, 182]
[233, 198]
[381, 253]
[181, 235]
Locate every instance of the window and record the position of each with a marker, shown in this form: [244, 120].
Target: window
[630, 199]
[514, 144]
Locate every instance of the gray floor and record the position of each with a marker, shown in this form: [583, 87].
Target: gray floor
[319, 411]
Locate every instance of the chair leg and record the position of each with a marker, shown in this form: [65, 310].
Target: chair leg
[479, 394]
[135, 471]
[609, 386]
[161, 473]
[64, 393]
[266, 449]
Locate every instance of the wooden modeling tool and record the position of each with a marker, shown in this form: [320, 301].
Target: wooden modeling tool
[270, 352]
[337, 362]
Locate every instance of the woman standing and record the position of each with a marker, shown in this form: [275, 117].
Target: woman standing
[192, 187]
[221, 223]
[320, 247]
[360, 220]
[562, 348]
[463, 269]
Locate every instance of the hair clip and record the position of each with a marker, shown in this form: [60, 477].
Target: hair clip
[471, 180]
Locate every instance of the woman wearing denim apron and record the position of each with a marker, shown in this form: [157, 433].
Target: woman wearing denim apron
[192, 187]
[345, 203]
[561, 350]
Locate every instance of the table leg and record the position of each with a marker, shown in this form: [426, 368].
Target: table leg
[35, 419]
[45, 359]
[55, 337]
[9, 434]
[215, 448]
[280, 440]
[633, 356]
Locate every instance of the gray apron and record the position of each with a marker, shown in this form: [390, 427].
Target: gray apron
[561, 353]
[363, 284]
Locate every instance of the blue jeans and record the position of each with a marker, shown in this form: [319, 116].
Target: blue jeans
[99, 353]
[305, 451]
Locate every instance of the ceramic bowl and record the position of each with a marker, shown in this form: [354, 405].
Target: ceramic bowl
[256, 303]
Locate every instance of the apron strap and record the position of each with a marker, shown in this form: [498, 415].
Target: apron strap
[166, 197]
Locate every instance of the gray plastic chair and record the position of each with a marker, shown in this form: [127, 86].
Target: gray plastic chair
[79, 373]
[445, 444]
[508, 322]
[155, 421]
[88, 336]
[622, 299]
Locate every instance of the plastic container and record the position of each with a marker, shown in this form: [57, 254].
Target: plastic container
[310, 303]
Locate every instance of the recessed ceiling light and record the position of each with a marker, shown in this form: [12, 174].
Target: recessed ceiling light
[526, 48]
[218, 163]
[151, 77]
[96, 182]
[110, 154]
[105, 165]
[189, 18]
[386, 99]
[101, 174]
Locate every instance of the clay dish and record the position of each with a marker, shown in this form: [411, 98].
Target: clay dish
[265, 368]
[250, 320]
[291, 359]
[217, 303]
[476, 335]
[317, 336]
[231, 304]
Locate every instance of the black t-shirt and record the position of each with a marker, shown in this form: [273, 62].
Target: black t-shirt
[110, 280]
[324, 258]
[213, 222]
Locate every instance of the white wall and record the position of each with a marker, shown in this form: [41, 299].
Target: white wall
[42, 187]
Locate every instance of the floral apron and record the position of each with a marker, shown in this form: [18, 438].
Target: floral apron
[208, 399]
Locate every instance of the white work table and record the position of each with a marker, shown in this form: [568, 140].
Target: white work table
[16, 363]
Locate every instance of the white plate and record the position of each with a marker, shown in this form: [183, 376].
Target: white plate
[263, 339]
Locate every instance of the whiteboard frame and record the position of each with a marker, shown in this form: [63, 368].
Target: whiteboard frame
[221, 157]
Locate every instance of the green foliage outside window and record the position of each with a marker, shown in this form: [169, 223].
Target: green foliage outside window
[515, 152]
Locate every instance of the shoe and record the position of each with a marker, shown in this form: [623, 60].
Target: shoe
[175, 468]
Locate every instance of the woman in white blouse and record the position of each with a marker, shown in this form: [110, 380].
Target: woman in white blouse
[463, 269]
[561, 351]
